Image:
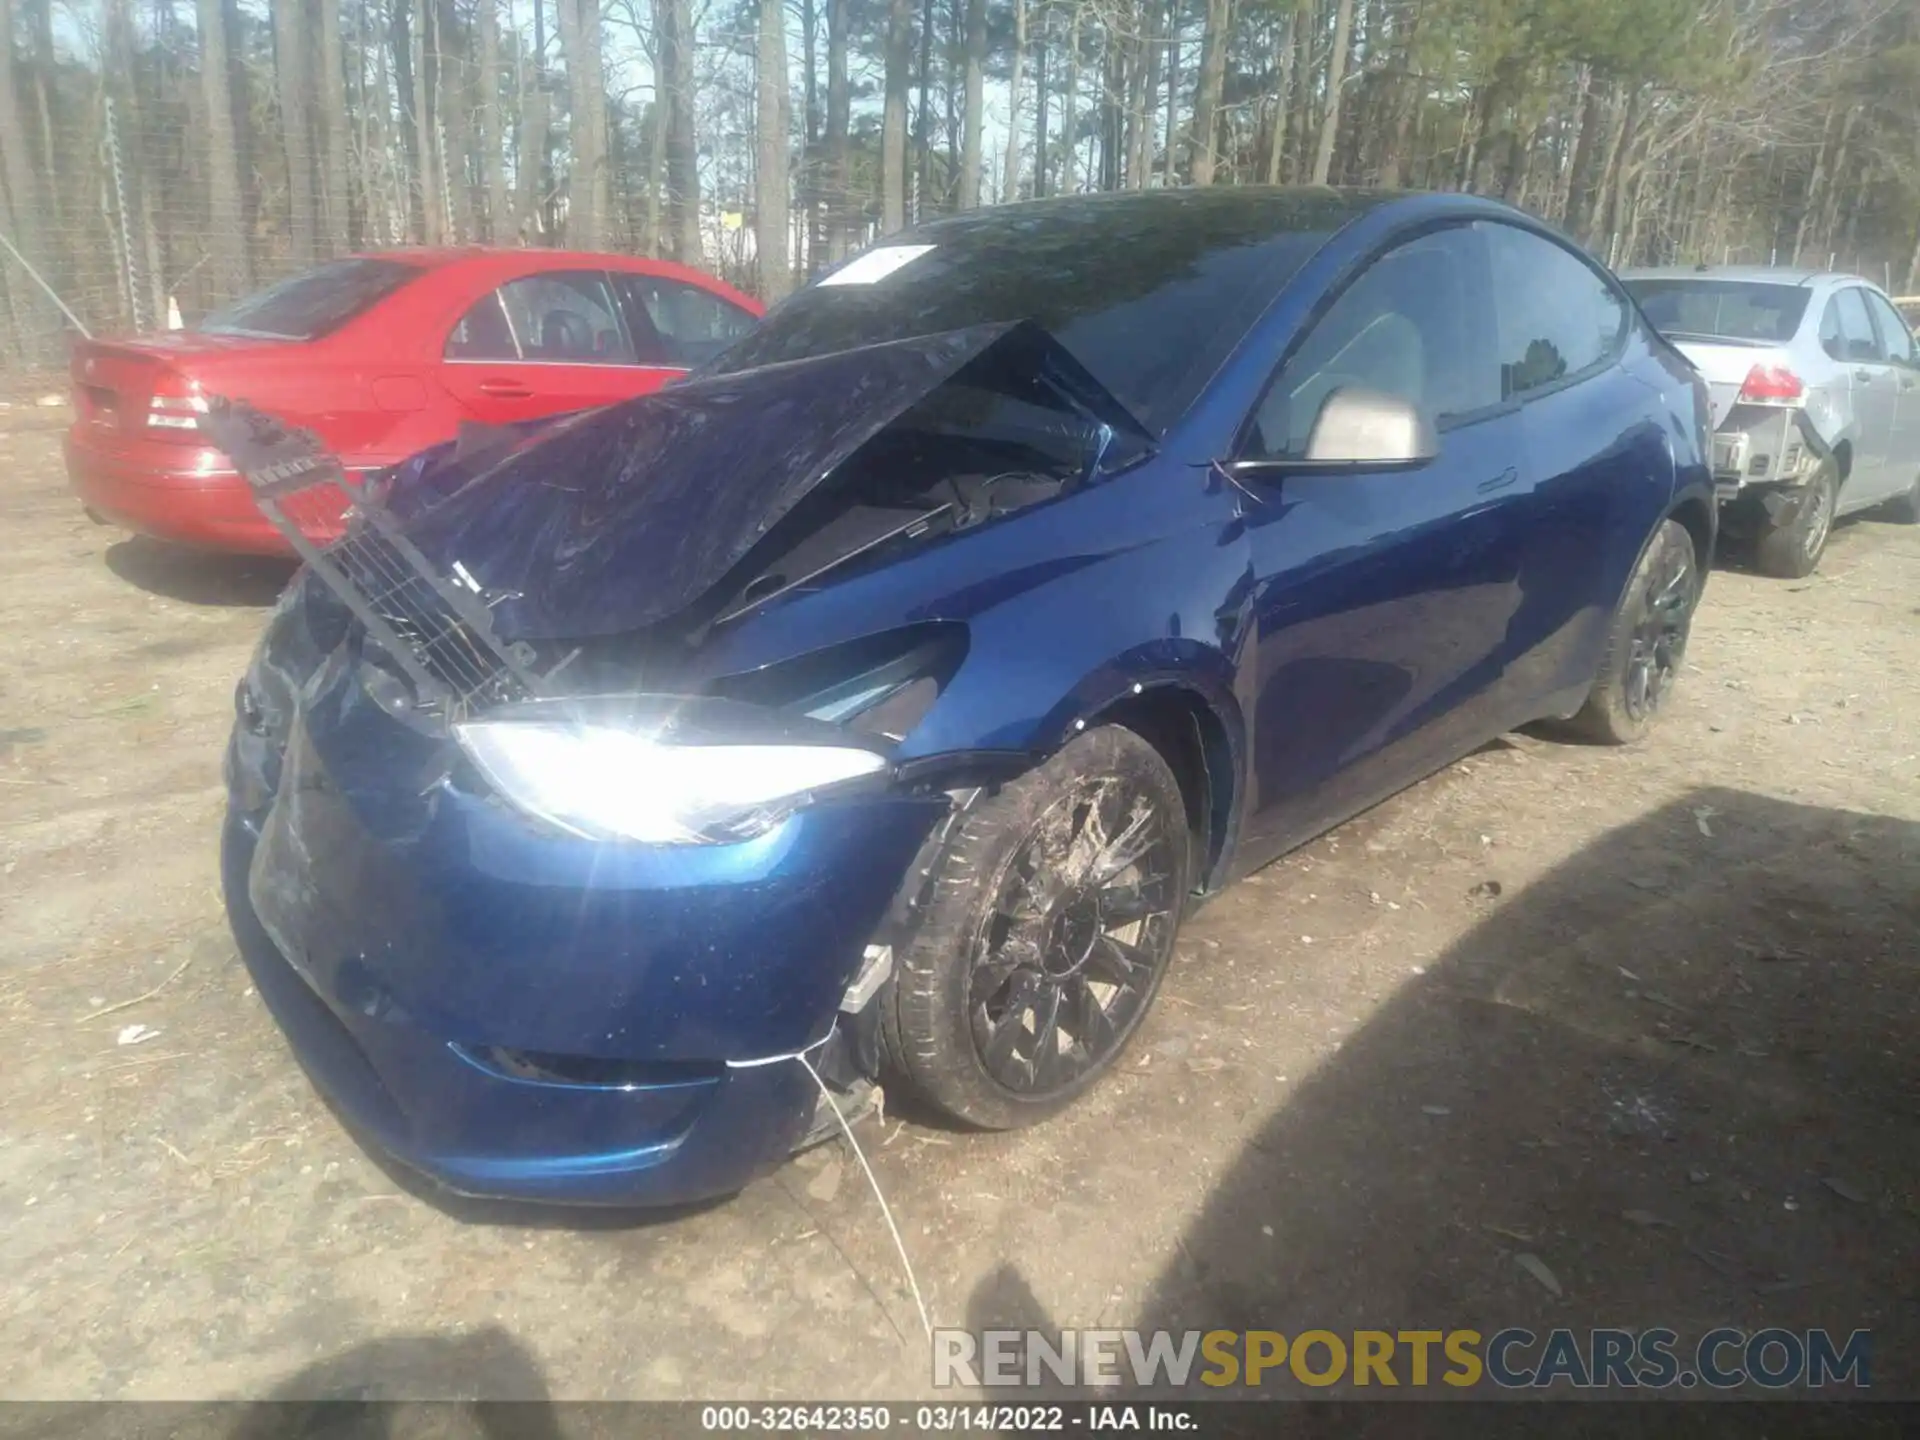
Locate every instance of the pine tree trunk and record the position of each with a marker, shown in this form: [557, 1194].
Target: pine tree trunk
[1170, 159]
[893, 122]
[332, 93]
[534, 120]
[1010, 172]
[976, 58]
[1070, 111]
[923, 119]
[226, 223]
[773, 206]
[683, 155]
[33, 328]
[454, 103]
[1206, 100]
[588, 190]
[1336, 82]
[809, 186]
[290, 73]
[493, 167]
[839, 105]
[1288, 37]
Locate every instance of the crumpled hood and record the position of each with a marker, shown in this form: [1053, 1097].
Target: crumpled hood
[620, 518]
[625, 516]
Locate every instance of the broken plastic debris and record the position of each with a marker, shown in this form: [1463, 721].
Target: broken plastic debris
[136, 1035]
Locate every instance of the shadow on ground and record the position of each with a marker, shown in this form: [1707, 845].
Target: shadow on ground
[1679, 1073]
[342, 1398]
[198, 577]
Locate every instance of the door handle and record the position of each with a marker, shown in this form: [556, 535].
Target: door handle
[1863, 375]
[505, 389]
[1499, 482]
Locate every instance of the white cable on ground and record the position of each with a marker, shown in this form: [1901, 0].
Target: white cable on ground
[885, 1209]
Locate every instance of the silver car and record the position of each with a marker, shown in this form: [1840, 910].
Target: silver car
[1815, 386]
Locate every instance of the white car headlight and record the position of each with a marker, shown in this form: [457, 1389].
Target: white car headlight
[612, 782]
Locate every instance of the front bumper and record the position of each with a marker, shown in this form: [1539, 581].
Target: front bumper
[404, 962]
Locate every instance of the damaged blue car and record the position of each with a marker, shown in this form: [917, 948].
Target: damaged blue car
[626, 792]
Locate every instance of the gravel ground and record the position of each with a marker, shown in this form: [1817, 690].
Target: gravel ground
[1644, 1016]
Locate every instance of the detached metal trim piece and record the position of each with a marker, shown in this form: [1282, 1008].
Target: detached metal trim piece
[874, 970]
[438, 629]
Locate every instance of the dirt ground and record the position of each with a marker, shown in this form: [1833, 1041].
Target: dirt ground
[1671, 1057]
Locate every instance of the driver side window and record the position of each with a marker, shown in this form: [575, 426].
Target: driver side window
[1415, 324]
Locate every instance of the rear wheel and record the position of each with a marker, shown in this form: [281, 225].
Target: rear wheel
[1646, 643]
[1049, 923]
[1791, 544]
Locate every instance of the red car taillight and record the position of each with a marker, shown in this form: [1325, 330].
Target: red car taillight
[175, 409]
[1771, 385]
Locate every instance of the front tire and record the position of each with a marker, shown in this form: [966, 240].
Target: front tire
[1790, 547]
[1646, 642]
[1906, 508]
[1047, 927]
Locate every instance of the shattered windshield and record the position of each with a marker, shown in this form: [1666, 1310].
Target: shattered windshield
[1150, 292]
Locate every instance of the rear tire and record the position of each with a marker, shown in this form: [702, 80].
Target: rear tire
[1645, 643]
[1790, 548]
[1048, 924]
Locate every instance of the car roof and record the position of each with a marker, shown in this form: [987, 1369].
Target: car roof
[1279, 209]
[1748, 274]
[435, 257]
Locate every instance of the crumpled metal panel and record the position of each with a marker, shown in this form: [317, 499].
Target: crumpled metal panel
[626, 516]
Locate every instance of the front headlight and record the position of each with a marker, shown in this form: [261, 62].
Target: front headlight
[622, 780]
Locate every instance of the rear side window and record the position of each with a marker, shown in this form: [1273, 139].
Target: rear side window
[1412, 325]
[1846, 330]
[1721, 309]
[694, 325]
[1896, 339]
[312, 304]
[1557, 317]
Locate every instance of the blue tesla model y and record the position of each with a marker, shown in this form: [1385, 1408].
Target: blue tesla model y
[626, 790]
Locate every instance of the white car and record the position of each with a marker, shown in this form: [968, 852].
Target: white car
[1815, 387]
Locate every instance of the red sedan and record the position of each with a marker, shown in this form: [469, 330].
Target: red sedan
[382, 355]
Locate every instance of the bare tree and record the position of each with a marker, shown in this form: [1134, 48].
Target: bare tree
[588, 189]
[493, 169]
[19, 205]
[683, 156]
[839, 104]
[1010, 182]
[290, 69]
[531, 168]
[226, 230]
[1336, 85]
[1206, 98]
[773, 204]
[976, 59]
[893, 121]
[331, 90]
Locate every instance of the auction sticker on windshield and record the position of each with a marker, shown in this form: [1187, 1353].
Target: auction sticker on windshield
[875, 264]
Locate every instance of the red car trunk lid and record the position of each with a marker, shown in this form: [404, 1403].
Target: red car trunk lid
[115, 382]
